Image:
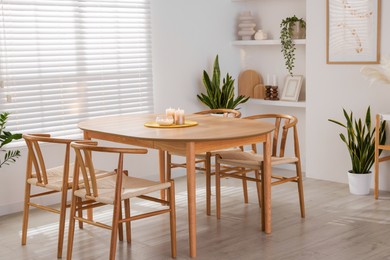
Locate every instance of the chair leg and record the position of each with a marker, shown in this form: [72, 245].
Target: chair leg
[74, 203]
[245, 187]
[300, 188]
[172, 217]
[120, 225]
[208, 183]
[258, 186]
[128, 223]
[218, 188]
[262, 198]
[168, 167]
[61, 230]
[162, 169]
[376, 177]
[26, 212]
[114, 231]
[80, 211]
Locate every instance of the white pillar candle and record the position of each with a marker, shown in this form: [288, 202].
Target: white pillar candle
[274, 83]
[179, 117]
[170, 112]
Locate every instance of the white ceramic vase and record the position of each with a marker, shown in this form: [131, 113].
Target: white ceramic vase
[359, 183]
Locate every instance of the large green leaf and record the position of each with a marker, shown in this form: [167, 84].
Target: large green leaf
[216, 73]
[7, 137]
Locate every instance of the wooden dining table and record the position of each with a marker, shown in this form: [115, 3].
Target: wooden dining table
[211, 133]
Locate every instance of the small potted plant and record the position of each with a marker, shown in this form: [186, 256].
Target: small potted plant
[291, 28]
[220, 96]
[360, 142]
[6, 138]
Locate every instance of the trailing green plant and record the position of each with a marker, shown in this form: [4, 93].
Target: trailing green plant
[7, 137]
[288, 46]
[220, 96]
[360, 140]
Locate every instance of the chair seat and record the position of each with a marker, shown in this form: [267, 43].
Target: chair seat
[251, 160]
[55, 176]
[131, 187]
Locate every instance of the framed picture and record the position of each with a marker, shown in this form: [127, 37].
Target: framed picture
[353, 31]
[292, 88]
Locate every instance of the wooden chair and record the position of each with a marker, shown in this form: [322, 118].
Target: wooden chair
[242, 162]
[379, 123]
[204, 158]
[55, 179]
[112, 190]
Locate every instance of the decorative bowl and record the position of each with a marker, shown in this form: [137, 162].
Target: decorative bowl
[164, 120]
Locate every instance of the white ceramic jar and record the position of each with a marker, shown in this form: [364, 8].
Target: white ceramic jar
[260, 35]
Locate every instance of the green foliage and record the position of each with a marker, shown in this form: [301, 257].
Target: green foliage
[217, 97]
[288, 46]
[360, 140]
[6, 138]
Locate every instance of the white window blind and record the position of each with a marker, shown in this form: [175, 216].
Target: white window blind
[63, 61]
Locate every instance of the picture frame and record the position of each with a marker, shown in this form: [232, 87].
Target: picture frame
[353, 31]
[292, 88]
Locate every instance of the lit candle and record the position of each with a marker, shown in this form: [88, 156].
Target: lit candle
[170, 112]
[179, 117]
[274, 81]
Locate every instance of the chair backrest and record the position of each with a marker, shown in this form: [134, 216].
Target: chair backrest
[283, 123]
[224, 111]
[35, 159]
[84, 162]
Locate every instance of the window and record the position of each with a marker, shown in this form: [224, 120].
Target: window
[63, 61]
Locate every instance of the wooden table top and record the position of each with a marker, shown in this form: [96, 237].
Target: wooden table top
[208, 128]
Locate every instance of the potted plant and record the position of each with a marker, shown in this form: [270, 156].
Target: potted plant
[291, 28]
[220, 96]
[360, 142]
[6, 138]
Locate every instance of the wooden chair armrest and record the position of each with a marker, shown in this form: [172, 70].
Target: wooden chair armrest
[92, 146]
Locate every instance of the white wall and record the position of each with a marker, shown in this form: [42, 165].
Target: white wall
[331, 88]
[187, 35]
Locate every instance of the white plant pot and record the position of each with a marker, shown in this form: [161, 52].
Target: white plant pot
[359, 184]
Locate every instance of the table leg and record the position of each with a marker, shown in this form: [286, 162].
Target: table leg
[161, 155]
[191, 194]
[267, 171]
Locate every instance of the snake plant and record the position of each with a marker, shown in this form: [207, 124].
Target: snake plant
[360, 140]
[6, 138]
[220, 97]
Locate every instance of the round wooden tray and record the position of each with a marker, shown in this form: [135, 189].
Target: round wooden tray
[187, 123]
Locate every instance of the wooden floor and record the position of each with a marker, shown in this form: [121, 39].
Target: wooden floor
[338, 226]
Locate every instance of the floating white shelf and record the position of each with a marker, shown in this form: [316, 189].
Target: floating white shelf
[279, 103]
[265, 42]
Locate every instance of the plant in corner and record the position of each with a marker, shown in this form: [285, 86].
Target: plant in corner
[6, 138]
[286, 38]
[360, 142]
[220, 97]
